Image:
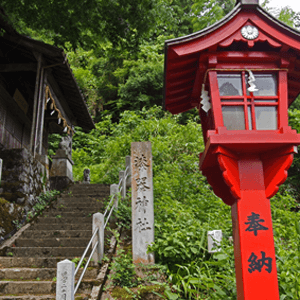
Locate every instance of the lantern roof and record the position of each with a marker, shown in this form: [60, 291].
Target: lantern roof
[188, 58]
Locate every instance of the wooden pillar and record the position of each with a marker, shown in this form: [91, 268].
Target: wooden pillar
[35, 105]
[254, 251]
[42, 111]
[40, 116]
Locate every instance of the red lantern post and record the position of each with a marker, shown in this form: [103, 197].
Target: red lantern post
[242, 74]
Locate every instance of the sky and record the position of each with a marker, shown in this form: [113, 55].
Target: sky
[294, 4]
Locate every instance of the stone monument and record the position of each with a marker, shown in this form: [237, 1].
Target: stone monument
[142, 202]
[65, 280]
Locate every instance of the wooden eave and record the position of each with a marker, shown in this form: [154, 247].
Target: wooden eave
[186, 59]
[55, 60]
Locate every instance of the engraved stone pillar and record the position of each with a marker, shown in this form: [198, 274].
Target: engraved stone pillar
[98, 222]
[142, 202]
[65, 280]
[114, 191]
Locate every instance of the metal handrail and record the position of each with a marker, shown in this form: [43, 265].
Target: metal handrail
[120, 182]
[86, 265]
[112, 198]
[111, 210]
[85, 251]
[120, 188]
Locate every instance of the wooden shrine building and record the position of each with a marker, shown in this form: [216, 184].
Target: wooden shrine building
[38, 96]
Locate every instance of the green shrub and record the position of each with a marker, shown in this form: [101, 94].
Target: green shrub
[185, 206]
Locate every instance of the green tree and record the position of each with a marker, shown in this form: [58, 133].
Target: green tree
[208, 12]
[82, 23]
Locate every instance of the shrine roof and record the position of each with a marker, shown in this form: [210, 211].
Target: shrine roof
[56, 60]
[186, 57]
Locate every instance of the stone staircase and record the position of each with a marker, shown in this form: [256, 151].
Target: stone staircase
[28, 271]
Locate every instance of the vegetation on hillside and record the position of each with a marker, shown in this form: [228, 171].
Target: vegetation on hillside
[185, 206]
[116, 51]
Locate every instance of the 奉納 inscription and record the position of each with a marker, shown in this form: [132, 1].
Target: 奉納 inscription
[258, 264]
[254, 223]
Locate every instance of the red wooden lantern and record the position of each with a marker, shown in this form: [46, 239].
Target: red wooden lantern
[242, 73]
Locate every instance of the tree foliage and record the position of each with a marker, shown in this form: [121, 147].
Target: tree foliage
[83, 23]
[116, 50]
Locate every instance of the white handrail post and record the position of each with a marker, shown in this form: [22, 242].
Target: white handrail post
[65, 280]
[128, 165]
[123, 191]
[114, 192]
[98, 223]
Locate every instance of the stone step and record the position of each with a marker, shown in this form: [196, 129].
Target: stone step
[28, 297]
[79, 202]
[76, 227]
[89, 187]
[100, 196]
[25, 287]
[56, 233]
[79, 205]
[29, 262]
[41, 273]
[47, 251]
[34, 262]
[37, 287]
[78, 214]
[77, 208]
[63, 220]
[53, 242]
[84, 197]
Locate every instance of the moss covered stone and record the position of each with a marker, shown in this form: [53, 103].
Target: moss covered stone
[9, 212]
[140, 292]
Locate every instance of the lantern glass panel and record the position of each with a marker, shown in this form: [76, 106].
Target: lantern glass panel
[249, 118]
[265, 83]
[266, 117]
[234, 117]
[230, 84]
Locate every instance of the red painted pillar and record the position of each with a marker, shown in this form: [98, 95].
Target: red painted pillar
[245, 175]
[254, 250]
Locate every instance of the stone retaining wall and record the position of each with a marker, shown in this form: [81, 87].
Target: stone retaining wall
[23, 177]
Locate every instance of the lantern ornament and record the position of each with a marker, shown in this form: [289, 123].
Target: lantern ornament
[250, 32]
[252, 87]
[244, 71]
[206, 106]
